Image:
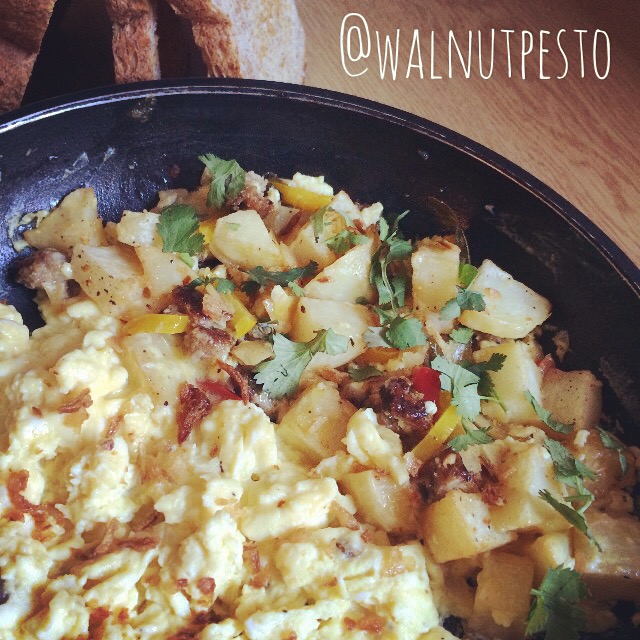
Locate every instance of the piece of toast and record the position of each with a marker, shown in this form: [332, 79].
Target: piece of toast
[247, 39]
[22, 27]
[134, 43]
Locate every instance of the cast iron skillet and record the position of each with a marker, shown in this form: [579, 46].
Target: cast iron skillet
[129, 143]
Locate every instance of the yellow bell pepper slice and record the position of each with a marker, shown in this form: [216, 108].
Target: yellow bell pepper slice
[446, 425]
[242, 320]
[206, 229]
[301, 198]
[167, 323]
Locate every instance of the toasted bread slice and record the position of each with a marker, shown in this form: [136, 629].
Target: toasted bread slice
[22, 26]
[135, 44]
[247, 39]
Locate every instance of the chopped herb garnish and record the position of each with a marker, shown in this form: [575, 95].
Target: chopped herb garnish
[568, 469]
[481, 369]
[280, 376]
[466, 273]
[262, 277]
[344, 240]
[462, 335]
[546, 416]
[464, 300]
[610, 442]
[297, 290]
[573, 516]
[222, 285]
[360, 373]
[228, 179]
[463, 386]
[469, 438]
[178, 228]
[555, 608]
[404, 333]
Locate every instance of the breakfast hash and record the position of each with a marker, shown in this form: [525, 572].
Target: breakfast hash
[258, 410]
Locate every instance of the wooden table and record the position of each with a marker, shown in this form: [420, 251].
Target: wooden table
[581, 136]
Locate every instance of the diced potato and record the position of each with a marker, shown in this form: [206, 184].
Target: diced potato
[252, 352]
[74, 221]
[111, 277]
[350, 320]
[527, 471]
[435, 265]
[196, 198]
[316, 422]
[613, 573]
[550, 551]
[573, 397]
[460, 525]
[519, 373]
[304, 247]
[347, 279]
[137, 228]
[512, 309]
[162, 271]
[242, 239]
[503, 594]
[381, 501]
[280, 305]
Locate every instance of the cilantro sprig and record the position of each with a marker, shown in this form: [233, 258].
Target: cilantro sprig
[572, 473]
[228, 179]
[345, 240]
[281, 375]
[469, 438]
[555, 608]
[610, 442]
[260, 277]
[547, 417]
[468, 383]
[364, 372]
[222, 285]
[178, 228]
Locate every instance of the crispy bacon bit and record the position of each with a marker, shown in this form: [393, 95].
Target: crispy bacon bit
[215, 307]
[194, 407]
[206, 585]
[16, 484]
[185, 300]
[145, 519]
[292, 636]
[123, 615]
[198, 623]
[370, 623]
[43, 270]
[107, 540]
[182, 583]
[138, 544]
[240, 382]
[83, 401]
[251, 555]
[114, 425]
[36, 412]
[107, 444]
[98, 623]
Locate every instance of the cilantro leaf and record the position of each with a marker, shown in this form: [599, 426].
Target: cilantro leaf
[573, 517]
[466, 273]
[464, 300]
[280, 376]
[228, 179]
[363, 372]
[610, 442]
[462, 335]
[297, 290]
[555, 606]
[374, 337]
[317, 222]
[568, 470]
[470, 438]
[546, 416]
[463, 385]
[261, 276]
[344, 240]
[481, 369]
[178, 228]
[404, 333]
[222, 285]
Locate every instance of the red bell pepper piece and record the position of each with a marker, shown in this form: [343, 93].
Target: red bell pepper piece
[427, 382]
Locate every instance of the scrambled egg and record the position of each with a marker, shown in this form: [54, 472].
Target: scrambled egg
[223, 536]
